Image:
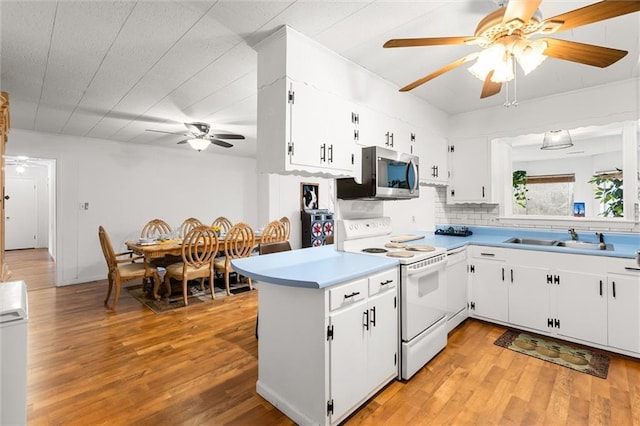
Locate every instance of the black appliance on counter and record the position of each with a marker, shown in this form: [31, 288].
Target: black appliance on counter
[317, 227]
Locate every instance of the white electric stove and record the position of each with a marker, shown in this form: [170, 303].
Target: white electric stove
[423, 304]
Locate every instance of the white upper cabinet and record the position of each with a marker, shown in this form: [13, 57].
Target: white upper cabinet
[315, 108]
[470, 167]
[432, 151]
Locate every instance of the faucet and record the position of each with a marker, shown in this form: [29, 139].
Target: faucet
[574, 234]
[600, 235]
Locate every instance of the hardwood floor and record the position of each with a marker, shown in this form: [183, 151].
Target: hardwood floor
[35, 266]
[198, 366]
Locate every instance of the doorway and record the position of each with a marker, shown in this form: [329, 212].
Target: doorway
[30, 209]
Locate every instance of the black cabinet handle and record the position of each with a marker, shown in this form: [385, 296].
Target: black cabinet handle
[631, 268]
[502, 274]
[512, 276]
[488, 254]
[373, 316]
[323, 152]
[483, 192]
[386, 282]
[366, 320]
[355, 293]
[600, 287]
[614, 288]
[331, 153]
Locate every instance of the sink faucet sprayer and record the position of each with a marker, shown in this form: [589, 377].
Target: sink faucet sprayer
[574, 234]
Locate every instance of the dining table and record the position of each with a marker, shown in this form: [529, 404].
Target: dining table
[161, 248]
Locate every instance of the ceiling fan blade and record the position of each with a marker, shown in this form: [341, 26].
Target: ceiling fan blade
[441, 71]
[519, 12]
[490, 88]
[181, 142]
[588, 54]
[221, 143]
[227, 136]
[429, 41]
[596, 12]
[168, 133]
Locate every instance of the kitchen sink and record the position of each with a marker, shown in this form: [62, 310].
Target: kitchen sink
[584, 245]
[532, 241]
[566, 243]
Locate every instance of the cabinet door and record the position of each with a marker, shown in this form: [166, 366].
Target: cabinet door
[529, 297]
[308, 126]
[469, 167]
[432, 151]
[372, 128]
[339, 134]
[624, 312]
[348, 357]
[489, 293]
[382, 362]
[582, 306]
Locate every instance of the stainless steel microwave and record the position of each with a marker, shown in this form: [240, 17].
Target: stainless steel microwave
[386, 175]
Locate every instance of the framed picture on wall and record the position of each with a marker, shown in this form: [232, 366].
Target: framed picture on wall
[309, 196]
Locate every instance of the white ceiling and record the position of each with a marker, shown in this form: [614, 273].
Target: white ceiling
[113, 69]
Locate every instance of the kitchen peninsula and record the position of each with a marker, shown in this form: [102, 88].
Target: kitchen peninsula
[301, 292]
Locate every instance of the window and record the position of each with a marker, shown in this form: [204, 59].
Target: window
[548, 195]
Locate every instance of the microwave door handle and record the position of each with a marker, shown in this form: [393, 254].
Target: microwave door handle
[416, 184]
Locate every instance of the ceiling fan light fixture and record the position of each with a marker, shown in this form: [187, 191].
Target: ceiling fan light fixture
[487, 60]
[198, 144]
[556, 139]
[530, 54]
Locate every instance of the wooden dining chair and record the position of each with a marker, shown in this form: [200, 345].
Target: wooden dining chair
[199, 249]
[155, 228]
[122, 268]
[238, 243]
[224, 224]
[188, 225]
[287, 226]
[273, 232]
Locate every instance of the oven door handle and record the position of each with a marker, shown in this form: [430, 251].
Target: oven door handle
[430, 269]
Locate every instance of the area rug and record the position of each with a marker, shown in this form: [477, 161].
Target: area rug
[195, 296]
[561, 353]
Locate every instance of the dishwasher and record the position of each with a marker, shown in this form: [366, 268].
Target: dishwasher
[457, 284]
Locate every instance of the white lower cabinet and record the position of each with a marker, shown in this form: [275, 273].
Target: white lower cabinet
[593, 300]
[529, 296]
[489, 295]
[581, 306]
[324, 352]
[623, 319]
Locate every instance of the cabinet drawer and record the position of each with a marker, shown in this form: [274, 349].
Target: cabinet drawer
[383, 281]
[347, 294]
[489, 253]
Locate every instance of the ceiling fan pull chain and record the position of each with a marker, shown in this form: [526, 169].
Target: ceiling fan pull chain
[515, 83]
[506, 101]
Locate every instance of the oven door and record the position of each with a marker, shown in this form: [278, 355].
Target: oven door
[423, 296]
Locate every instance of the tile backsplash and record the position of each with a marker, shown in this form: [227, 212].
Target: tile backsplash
[489, 215]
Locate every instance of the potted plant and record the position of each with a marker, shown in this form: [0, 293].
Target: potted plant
[608, 189]
[520, 187]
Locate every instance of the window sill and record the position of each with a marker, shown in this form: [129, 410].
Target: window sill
[622, 225]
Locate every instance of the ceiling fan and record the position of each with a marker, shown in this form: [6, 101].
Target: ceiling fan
[199, 138]
[505, 36]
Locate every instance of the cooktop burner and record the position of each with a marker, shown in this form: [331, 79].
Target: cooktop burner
[374, 250]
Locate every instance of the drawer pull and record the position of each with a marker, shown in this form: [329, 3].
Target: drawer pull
[487, 254]
[631, 268]
[355, 293]
[386, 282]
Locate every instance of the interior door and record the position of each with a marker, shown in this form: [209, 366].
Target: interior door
[20, 213]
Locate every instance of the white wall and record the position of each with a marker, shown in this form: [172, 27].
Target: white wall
[125, 185]
[40, 174]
